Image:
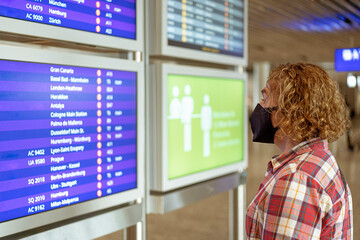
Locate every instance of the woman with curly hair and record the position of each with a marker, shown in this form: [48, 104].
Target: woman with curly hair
[304, 194]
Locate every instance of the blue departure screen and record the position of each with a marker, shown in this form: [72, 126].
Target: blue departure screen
[67, 135]
[347, 59]
[109, 17]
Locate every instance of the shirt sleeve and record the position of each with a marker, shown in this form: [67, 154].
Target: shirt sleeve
[292, 209]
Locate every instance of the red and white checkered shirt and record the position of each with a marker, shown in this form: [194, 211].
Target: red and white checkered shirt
[302, 197]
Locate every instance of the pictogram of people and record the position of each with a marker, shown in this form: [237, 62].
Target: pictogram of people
[187, 108]
[175, 104]
[206, 124]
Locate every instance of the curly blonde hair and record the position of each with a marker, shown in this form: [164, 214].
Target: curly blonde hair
[309, 103]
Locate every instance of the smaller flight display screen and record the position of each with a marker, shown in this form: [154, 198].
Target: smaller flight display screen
[109, 17]
[67, 135]
[215, 26]
[347, 59]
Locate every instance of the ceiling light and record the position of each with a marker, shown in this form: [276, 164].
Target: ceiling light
[351, 80]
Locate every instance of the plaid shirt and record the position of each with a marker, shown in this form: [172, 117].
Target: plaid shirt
[302, 197]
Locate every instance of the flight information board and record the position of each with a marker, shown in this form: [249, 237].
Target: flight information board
[67, 135]
[215, 26]
[109, 17]
[347, 59]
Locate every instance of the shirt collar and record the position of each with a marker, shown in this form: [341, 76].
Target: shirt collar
[307, 146]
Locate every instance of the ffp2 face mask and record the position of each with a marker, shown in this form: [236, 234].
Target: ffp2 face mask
[261, 125]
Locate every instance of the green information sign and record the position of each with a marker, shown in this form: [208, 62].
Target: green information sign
[205, 123]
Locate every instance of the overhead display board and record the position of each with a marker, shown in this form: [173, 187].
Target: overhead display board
[106, 23]
[347, 59]
[203, 125]
[69, 136]
[212, 30]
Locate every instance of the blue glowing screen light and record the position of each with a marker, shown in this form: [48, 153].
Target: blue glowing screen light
[320, 24]
[331, 22]
[347, 59]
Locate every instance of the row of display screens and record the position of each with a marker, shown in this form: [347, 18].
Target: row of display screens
[214, 27]
[70, 134]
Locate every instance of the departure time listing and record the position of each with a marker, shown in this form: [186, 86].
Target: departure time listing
[67, 135]
[215, 26]
[109, 17]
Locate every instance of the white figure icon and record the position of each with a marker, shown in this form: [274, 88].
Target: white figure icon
[206, 124]
[175, 104]
[187, 108]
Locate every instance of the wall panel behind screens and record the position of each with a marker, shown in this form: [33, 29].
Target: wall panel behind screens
[68, 135]
[108, 20]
